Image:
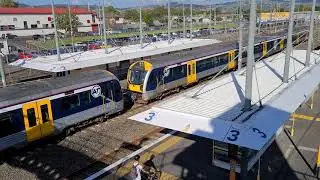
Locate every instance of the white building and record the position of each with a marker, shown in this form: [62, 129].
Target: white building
[31, 21]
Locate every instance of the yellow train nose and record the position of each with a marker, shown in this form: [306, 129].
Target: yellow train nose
[135, 88]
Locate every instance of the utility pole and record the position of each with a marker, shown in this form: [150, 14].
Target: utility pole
[2, 73]
[260, 16]
[210, 28]
[98, 15]
[104, 28]
[55, 31]
[169, 22]
[184, 21]
[215, 16]
[289, 44]
[310, 38]
[250, 59]
[71, 27]
[191, 20]
[140, 24]
[240, 36]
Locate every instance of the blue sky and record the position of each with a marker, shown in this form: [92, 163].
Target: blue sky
[116, 3]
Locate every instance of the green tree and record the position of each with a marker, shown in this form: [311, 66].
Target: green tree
[8, 3]
[148, 19]
[111, 10]
[63, 22]
[131, 14]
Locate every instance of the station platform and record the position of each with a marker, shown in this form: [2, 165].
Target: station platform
[86, 59]
[215, 110]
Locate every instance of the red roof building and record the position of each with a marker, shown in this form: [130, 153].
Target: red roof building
[35, 21]
[44, 11]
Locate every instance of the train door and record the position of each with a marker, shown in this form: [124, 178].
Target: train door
[281, 44]
[45, 116]
[191, 72]
[231, 60]
[264, 48]
[38, 119]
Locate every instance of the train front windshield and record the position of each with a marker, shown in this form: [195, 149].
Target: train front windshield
[137, 76]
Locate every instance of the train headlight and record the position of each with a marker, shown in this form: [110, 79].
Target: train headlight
[133, 96]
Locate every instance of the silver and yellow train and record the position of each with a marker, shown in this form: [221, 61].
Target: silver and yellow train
[150, 79]
[34, 110]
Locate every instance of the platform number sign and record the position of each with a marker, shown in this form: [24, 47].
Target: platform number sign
[150, 116]
[234, 134]
[259, 132]
[96, 91]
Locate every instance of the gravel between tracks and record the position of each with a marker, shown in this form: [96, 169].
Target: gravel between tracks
[58, 160]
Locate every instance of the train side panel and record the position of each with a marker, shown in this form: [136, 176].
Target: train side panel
[12, 130]
[36, 119]
[79, 107]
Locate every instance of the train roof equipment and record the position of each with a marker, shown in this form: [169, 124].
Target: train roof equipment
[33, 90]
[77, 60]
[215, 110]
[205, 51]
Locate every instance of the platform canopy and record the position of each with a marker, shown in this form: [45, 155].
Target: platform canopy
[72, 61]
[215, 111]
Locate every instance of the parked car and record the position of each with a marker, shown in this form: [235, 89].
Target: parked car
[9, 36]
[24, 55]
[9, 58]
[36, 36]
[94, 46]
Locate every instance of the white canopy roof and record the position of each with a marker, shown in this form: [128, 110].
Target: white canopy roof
[216, 111]
[71, 61]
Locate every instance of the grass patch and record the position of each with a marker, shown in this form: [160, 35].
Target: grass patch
[50, 44]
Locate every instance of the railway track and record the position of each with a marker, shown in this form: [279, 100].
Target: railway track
[86, 151]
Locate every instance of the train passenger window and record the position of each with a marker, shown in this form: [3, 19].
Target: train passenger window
[215, 61]
[70, 102]
[86, 98]
[8, 122]
[152, 81]
[6, 125]
[44, 113]
[223, 59]
[270, 45]
[31, 114]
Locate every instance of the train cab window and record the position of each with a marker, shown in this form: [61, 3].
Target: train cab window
[31, 114]
[189, 69]
[108, 90]
[137, 76]
[116, 91]
[44, 113]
